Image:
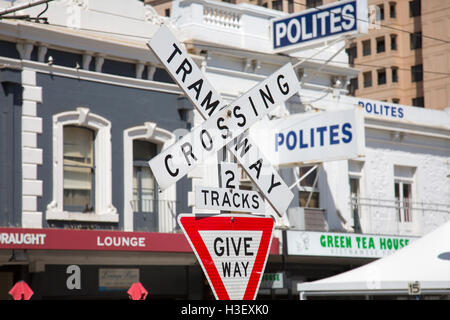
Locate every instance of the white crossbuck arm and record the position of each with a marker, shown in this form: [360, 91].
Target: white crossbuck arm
[224, 125]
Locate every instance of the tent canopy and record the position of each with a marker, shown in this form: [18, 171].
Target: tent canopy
[426, 261]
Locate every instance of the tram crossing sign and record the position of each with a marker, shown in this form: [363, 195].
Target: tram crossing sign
[225, 125]
[232, 251]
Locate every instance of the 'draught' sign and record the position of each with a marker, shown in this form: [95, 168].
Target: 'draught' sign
[232, 251]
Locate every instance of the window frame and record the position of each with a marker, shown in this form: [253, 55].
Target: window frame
[394, 74]
[92, 178]
[104, 210]
[311, 188]
[365, 83]
[394, 45]
[404, 175]
[381, 44]
[392, 13]
[356, 170]
[139, 165]
[367, 52]
[418, 102]
[417, 73]
[379, 79]
[381, 10]
[415, 40]
[162, 138]
[415, 8]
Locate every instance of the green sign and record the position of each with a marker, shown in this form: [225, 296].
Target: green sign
[343, 244]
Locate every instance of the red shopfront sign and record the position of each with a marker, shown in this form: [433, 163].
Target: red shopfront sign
[63, 239]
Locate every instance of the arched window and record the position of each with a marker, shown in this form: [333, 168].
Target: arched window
[82, 188]
[78, 164]
[145, 189]
[142, 200]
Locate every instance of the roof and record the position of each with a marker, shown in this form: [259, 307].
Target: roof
[426, 260]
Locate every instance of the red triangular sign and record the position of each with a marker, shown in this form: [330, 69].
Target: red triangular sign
[232, 251]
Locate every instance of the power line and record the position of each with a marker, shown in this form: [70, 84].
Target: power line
[245, 50]
[324, 60]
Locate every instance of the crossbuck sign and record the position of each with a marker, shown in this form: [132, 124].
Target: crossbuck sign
[225, 125]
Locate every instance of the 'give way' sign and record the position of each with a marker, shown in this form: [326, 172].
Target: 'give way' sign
[226, 125]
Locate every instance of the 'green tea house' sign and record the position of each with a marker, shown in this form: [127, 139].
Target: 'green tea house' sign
[343, 244]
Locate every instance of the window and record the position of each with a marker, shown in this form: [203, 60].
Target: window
[415, 40]
[380, 45]
[396, 100]
[353, 86]
[313, 3]
[381, 11]
[167, 12]
[367, 77]
[290, 6]
[418, 102]
[351, 52]
[414, 8]
[392, 10]
[403, 188]
[393, 42]
[277, 5]
[416, 73]
[381, 76]
[355, 169]
[394, 71]
[308, 195]
[82, 188]
[78, 157]
[146, 209]
[366, 47]
[144, 184]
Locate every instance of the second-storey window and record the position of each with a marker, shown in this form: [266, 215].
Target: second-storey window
[366, 47]
[403, 188]
[417, 73]
[79, 181]
[381, 74]
[308, 192]
[144, 183]
[367, 77]
[380, 45]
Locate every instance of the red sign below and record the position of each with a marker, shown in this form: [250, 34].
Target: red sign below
[102, 240]
[63, 239]
[232, 251]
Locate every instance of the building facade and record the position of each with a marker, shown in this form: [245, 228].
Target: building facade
[398, 58]
[404, 57]
[86, 104]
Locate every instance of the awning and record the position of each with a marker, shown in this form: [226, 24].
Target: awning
[424, 264]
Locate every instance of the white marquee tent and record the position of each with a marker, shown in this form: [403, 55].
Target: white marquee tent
[425, 261]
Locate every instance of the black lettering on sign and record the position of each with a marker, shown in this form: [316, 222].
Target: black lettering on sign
[186, 148]
[166, 162]
[231, 246]
[273, 184]
[229, 183]
[177, 50]
[186, 67]
[242, 142]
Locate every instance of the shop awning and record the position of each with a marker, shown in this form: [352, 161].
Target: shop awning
[424, 264]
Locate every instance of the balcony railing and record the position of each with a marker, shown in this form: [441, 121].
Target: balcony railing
[221, 17]
[159, 215]
[380, 216]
